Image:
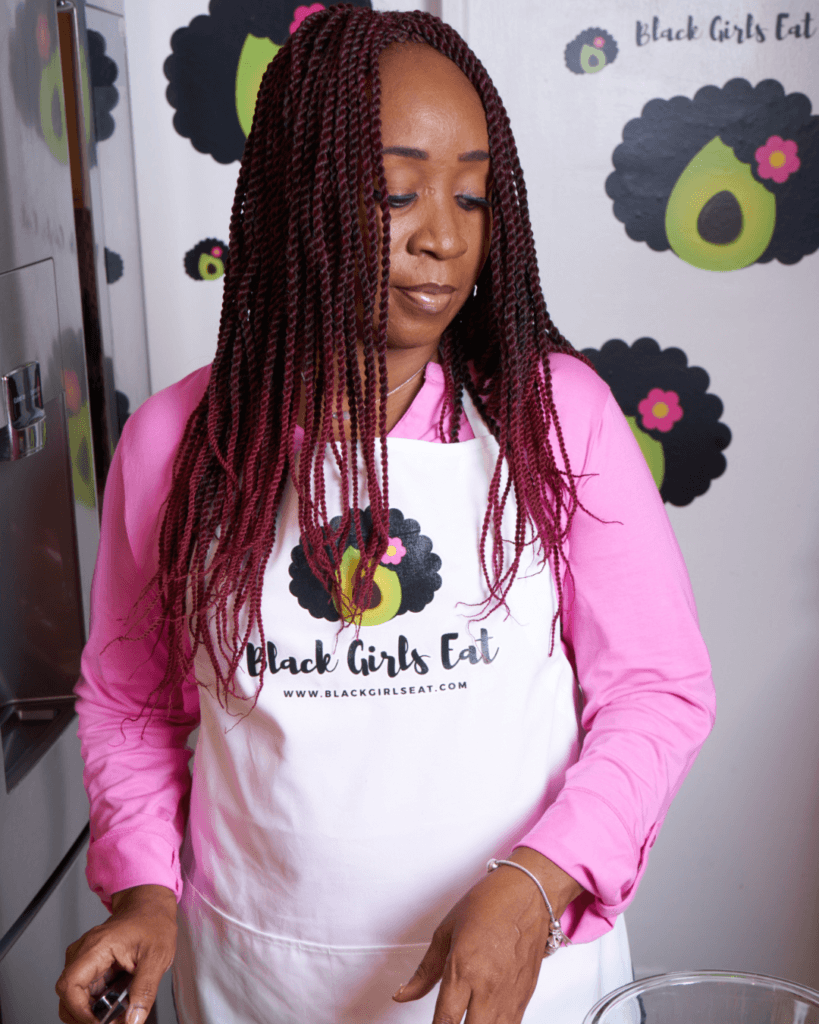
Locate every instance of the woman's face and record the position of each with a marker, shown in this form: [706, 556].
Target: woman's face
[436, 161]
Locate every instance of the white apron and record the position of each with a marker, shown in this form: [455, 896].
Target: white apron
[334, 825]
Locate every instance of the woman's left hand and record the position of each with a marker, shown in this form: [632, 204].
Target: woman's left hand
[487, 951]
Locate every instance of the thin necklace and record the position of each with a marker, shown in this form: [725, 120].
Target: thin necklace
[407, 381]
[346, 415]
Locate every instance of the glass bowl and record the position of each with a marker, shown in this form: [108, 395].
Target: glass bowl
[708, 997]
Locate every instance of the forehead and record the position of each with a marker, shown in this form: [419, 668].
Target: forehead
[426, 97]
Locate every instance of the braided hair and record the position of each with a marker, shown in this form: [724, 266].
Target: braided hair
[306, 250]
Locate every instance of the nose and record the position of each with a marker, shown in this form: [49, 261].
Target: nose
[439, 232]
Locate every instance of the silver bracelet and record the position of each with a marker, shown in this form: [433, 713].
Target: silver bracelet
[557, 937]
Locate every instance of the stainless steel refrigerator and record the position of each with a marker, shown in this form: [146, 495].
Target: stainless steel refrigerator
[73, 363]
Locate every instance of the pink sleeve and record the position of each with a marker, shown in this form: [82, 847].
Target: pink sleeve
[136, 767]
[630, 628]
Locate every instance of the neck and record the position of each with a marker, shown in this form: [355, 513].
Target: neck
[405, 378]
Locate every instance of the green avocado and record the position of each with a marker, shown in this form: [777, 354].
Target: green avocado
[51, 90]
[256, 54]
[210, 267]
[718, 217]
[386, 592]
[80, 445]
[652, 451]
[592, 59]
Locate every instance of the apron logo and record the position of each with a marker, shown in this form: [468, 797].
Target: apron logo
[405, 581]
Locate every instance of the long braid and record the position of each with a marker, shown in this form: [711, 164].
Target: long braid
[304, 292]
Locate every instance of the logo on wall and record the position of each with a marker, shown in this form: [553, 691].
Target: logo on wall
[405, 581]
[217, 65]
[44, 107]
[39, 99]
[727, 179]
[671, 414]
[590, 52]
[207, 260]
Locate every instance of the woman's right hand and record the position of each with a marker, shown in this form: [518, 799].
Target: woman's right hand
[138, 937]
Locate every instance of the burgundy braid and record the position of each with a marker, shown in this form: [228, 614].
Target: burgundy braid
[304, 238]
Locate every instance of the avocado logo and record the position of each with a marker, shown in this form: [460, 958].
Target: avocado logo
[674, 419]
[80, 441]
[216, 66]
[43, 106]
[207, 260]
[590, 52]
[36, 76]
[725, 180]
[405, 580]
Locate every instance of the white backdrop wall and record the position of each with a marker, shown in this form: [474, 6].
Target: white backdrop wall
[734, 877]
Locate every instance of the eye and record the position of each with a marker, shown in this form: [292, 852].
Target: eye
[397, 202]
[469, 202]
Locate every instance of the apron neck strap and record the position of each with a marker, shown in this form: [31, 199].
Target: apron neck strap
[474, 418]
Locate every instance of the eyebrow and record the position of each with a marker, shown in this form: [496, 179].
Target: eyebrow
[473, 156]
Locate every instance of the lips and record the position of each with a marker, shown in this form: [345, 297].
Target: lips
[429, 297]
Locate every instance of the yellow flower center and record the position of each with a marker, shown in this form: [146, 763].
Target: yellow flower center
[391, 550]
[659, 410]
[777, 158]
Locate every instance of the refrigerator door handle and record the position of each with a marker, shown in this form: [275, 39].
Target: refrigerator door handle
[28, 728]
[25, 432]
[31, 911]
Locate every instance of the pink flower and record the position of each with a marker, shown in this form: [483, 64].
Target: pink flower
[303, 12]
[599, 42]
[777, 159]
[43, 37]
[73, 395]
[216, 250]
[660, 410]
[395, 552]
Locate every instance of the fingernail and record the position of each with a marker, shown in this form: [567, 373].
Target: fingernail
[136, 1015]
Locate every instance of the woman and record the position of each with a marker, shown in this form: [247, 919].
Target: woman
[351, 543]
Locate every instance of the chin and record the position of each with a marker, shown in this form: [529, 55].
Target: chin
[427, 335]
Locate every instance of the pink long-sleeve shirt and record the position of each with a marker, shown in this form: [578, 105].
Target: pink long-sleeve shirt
[629, 629]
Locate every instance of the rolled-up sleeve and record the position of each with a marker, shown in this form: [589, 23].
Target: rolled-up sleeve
[136, 762]
[630, 629]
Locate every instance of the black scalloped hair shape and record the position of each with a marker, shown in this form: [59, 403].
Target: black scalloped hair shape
[103, 72]
[693, 447]
[114, 266]
[201, 69]
[744, 117]
[572, 52]
[417, 571]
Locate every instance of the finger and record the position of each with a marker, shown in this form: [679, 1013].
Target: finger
[143, 988]
[453, 1001]
[69, 1018]
[98, 985]
[66, 1016]
[75, 983]
[428, 972]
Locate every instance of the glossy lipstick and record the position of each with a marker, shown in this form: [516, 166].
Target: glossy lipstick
[430, 297]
